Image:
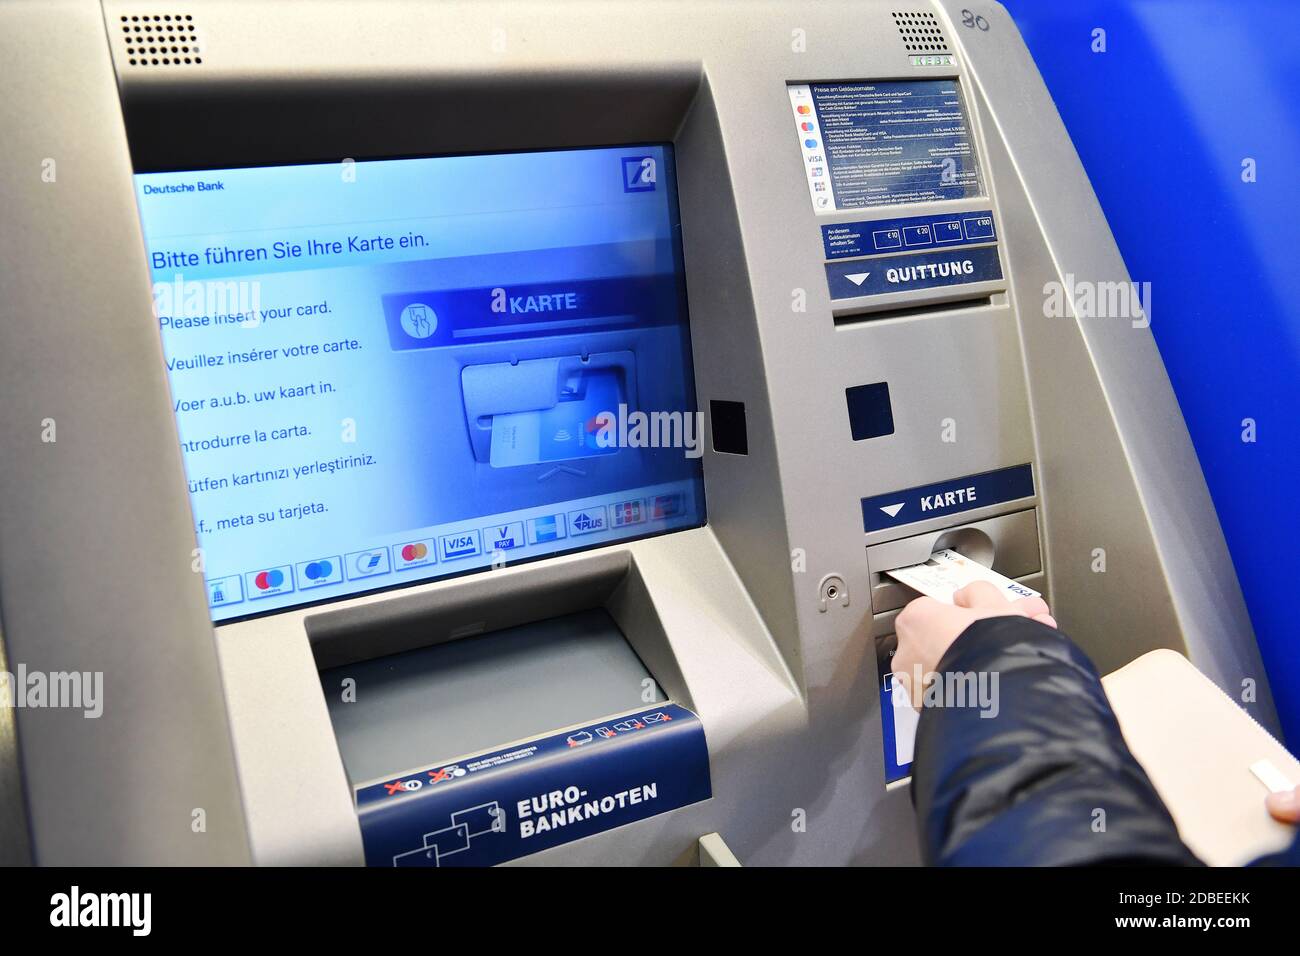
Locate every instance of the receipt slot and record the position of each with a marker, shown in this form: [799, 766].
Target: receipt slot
[369, 409]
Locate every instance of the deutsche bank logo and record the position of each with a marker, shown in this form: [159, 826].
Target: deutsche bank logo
[639, 174]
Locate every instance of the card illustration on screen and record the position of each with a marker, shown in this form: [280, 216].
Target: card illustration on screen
[569, 429]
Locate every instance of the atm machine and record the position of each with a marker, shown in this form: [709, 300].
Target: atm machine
[466, 433]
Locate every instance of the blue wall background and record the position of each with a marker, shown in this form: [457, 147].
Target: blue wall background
[1186, 90]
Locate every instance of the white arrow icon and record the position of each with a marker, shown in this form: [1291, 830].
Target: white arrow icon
[893, 510]
[858, 278]
[560, 470]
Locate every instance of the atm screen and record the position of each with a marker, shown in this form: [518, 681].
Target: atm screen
[391, 371]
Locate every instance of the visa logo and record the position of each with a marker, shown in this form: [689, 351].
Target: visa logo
[460, 545]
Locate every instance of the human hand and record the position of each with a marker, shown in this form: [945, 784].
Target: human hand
[926, 628]
[1284, 806]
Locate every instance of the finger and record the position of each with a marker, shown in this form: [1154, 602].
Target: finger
[904, 679]
[979, 594]
[1045, 619]
[1284, 806]
[901, 665]
[898, 663]
[916, 612]
[1030, 606]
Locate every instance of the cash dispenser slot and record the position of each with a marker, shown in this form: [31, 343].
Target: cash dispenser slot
[435, 704]
[474, 730]
[1008, 544]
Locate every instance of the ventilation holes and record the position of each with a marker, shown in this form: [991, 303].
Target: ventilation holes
[160, 39]
[920, 32]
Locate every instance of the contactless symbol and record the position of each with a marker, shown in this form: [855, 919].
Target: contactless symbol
[419, 321]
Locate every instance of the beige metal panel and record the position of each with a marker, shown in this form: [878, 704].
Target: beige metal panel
[96, 538]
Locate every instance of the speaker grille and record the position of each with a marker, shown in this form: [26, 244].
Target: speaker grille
[920, 31]
[160, 40]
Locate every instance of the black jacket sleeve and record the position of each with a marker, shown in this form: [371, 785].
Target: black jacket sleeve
[1041, 776]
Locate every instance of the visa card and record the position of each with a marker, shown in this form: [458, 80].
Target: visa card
[948, 572]
[565, 431]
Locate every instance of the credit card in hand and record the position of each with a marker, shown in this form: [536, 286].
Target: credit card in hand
[947, 572]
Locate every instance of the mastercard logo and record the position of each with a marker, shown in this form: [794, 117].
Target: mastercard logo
[804, 109]
[266, 580]
[415, 552]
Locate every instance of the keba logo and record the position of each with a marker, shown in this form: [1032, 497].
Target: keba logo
[74, 908]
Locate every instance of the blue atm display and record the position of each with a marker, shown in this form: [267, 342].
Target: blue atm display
[397, 370]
